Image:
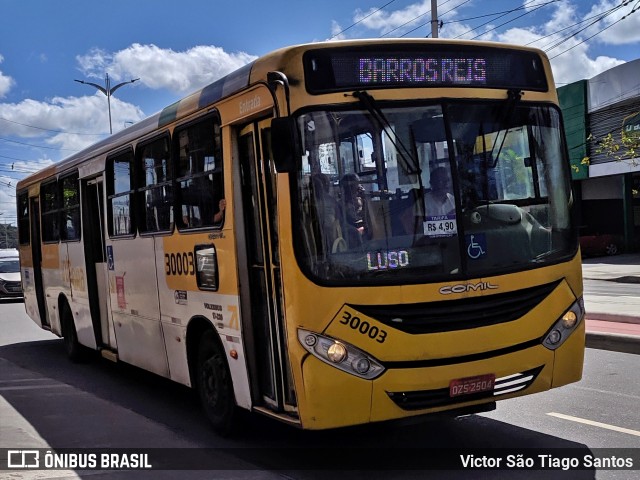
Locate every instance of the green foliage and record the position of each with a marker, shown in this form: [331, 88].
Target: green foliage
[625, 148]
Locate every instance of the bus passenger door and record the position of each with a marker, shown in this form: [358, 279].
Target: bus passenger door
[95, 260]
[36, 254]
[264, 325]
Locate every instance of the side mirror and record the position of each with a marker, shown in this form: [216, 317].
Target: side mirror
[283, 143]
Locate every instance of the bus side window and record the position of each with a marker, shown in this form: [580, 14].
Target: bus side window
[120, 188]
[199, 174]
[50, 212]
[70, 207]
[155, 186]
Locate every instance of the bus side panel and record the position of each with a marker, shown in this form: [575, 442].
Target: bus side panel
[74, 270]
[181, 301]
[52, 280]
[334, 399]
[133, 290]
[28, 284]
[174, 316]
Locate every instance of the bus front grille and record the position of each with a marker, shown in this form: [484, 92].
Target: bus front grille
[462, 314]
[421, 399]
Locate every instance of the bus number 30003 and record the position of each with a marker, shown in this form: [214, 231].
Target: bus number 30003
[181, 263]
[364, 327]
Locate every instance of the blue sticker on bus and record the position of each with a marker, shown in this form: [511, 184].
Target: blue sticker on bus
[110, 263]
[476, 245]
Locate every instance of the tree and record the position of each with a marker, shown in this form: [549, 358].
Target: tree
[624, 147]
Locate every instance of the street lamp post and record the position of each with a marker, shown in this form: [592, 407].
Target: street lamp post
[108, 91]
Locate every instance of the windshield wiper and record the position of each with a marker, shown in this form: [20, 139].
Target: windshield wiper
[369, 103]
[513, 98]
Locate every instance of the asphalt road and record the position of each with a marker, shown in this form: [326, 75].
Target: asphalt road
[46, 401]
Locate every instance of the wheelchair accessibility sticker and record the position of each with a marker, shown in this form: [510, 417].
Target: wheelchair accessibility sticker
[476, 245]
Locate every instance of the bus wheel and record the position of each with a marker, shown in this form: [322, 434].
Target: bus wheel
[75, 351]
[214, 385]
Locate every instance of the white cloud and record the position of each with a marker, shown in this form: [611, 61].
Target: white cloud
[386, 22]
[64, 125]
[337, 31]
[625, 31]
[84, 116]
[158, 68]
[567, 48]
[5, 82]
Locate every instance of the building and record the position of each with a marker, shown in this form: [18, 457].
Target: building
[608, 188]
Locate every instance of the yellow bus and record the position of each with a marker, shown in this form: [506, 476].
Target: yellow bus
[335, 234]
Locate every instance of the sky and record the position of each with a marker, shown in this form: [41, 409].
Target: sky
[176, 47]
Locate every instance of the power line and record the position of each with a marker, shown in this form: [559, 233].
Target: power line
[36, 146]
[598, 33]
[16, 159]
[522, 7]
[504, 15]
[406, 23]
[601, 16]
[363, 18]
[427, 23]
[49, 130]
[514, 19]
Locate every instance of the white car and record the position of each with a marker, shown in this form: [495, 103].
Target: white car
[10, 280]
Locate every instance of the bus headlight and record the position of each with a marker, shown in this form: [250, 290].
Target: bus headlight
[565, 325]
[337, 352]
[340, 355]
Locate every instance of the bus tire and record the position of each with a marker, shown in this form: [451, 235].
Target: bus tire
[75, 351]
[214, 385]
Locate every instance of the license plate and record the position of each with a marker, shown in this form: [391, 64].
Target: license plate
[471, 385]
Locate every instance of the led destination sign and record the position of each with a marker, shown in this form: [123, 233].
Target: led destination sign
[412, 65]
[394, 70]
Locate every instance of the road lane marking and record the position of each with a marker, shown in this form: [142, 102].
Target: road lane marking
[595, 424]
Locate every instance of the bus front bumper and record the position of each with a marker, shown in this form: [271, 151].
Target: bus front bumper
[333, 398]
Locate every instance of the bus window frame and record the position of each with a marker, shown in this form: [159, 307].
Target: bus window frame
[50, 213]
[110, 186]
[141, 187]
[24, 230]
[179, 224]
[63, 210]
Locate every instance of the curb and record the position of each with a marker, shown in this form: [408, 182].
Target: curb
[612, 317]
[615, 342]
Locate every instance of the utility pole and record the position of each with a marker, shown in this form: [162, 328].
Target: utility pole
[108, 91]
[6, 236]
[434, 18]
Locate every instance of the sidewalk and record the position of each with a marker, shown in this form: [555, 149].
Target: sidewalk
[613, 317]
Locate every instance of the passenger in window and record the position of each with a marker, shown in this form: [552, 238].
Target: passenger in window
[439, 200]
[219, 215]
[408, 212]
[352, 207]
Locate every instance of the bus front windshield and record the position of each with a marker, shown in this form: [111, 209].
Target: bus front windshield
[425, 193]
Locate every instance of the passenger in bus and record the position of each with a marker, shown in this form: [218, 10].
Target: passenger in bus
[439, 200]
[219, 215]
[352, 208]
[407, 213]
[327, 213]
